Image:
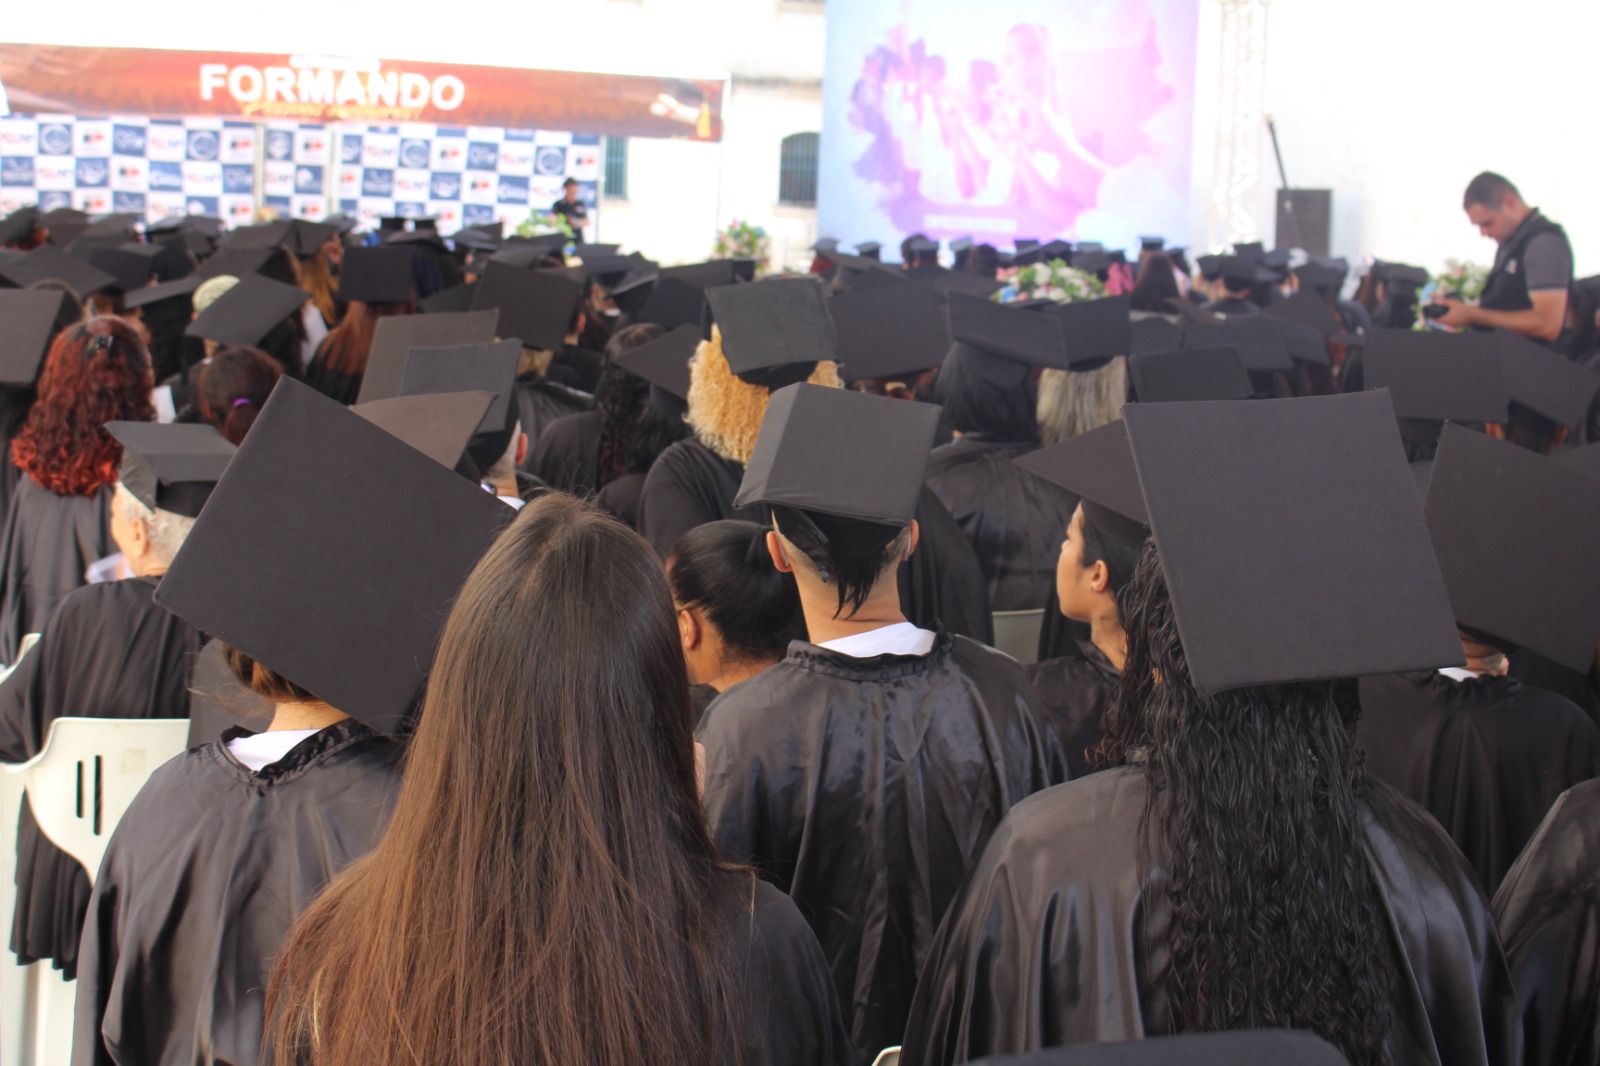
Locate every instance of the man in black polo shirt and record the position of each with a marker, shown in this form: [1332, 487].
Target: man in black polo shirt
[1527, 288]
[572, 209]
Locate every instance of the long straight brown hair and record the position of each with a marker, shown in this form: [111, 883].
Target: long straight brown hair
[547, 891]
[347, 345]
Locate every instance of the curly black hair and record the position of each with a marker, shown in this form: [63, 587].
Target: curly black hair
[1254, 803]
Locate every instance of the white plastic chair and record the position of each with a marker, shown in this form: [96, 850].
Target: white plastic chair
[78, 787]
[889, 1056]
[1017, 634]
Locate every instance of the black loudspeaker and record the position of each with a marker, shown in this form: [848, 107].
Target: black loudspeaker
[1305, 220]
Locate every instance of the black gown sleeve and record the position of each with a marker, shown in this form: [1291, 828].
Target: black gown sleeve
[794, 1017]
[672, 502]
[943, 587]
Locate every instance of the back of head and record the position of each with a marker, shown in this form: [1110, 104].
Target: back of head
[1488, 190]
[1073, 402]
[347, 346]
[621, 398]
[973, 403]
[723, 570]
[1253, 810]
[233, 387]
[984, 261]
[1157, 283]
[853, 576]
[725, 410]
[548, 846]
[262, 680]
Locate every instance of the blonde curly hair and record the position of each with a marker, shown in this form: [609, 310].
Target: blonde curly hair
[726, 412]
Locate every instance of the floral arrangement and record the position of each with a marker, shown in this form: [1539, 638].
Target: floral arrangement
[741, 240]
[1054, 280]
[1461, 280]
[543, 224]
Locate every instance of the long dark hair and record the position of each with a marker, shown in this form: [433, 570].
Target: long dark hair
[621, 399]
[723, 570]
[346, 347]
[547, 891]
[1253, 804]
[974, 404]
[1157, 283]
[232, 388]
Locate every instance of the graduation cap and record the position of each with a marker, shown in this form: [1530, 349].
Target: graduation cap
[439, 425]
[1304, 344]
[130, 269]
[1319, 478]
[825, 247]
[923, 245]
[19, 225]
[391, 224]
[173, 260]
[27, 320]
[1238, 268]
[1095, 331]
[118, 224]
[774, 333]
[306, 238]
[851, 462]
[528, 252]
[156, 298]
[664, 362]
[1153, 333]
[597, 251]
[477, 240]
[331, 553]
[1210, 266]
[889, 332]
[1097, 467]
[744, 268]
[65, 224]
[1453, 377]
[1152, 244]
[263, 235]
[961, 245]
[708, 275]
[455, 298]
[171, 466]
[536, 306]
[1400, 274]
[246, 313]
[1002, 343]
[1250, 250]
[376, 275]
[396, 335]
[1260, 344]
[487, 367]
[49, 262]
[1191, 313]
[1194, 374]
[859, 272]
[971, 284]
[631, 293]
[673, 302]
[869, 249]
[423, 237]
[1308, 309]
[1322, 278]
[1057, 249]
[235, 262]
[1091, 261]
[1277, 1047]
[1549, 385]
[1514, 533]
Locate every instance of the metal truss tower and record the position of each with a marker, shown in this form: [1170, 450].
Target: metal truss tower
[1234, 213]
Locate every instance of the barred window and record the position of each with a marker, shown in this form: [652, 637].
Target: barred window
[797, 170]
[616, 174]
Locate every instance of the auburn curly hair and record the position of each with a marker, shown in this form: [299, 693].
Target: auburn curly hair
[97, 372]
[725, 411]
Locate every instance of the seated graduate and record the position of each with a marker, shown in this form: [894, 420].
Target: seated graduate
[328, 585]
[30, 321]
[732, 378]
[664, 365]
[1011, 517]
[1484, 753]
[550, 799]
[737, 614]
[107, 652]
[375, 283]
[232, 387]
[1267, 882]
[1548, 911]
[59, 522]
[863, 773]
[1098, 556]
[1236, 277]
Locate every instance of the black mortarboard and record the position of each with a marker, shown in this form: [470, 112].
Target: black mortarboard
[391, 224]
[664, 362]
[708, 275]
[1260, 345]
[427, 236]
[331, 554]
[118, 224]
[487, 367]
[1193, 374]
[1401, 274]
[455, 298]
[1238, 268]
[306, 238]
[774, 333]
[439, 425]
[869, 249]
[1453, 377]
[1251, 250]
[1304, 344]
[971, 284]
[1192, 313]
[65, 224]
[1154, 334]
[889, 332]
[674, 302]
[1545, 382]
[173, 260]
[47, 262]
[179, 292]
[1210, 266]
[859, 272]
[247, 312]
[171, 466]
[1095, 331]
[19, 225]
[234, 262]
[961, 244]
[1267, 1047]
[1585, 460]
[1092, 261]
[1097, 467]
[587, 252]
[527, 252]
[1308, 309]
[396, 335]
[1320, 478]
[262, 235]
[1514, 533]
[1002, 343]
[851, 461]
[477, 240]
[377, 275]
[923, 245]
[1152, 244]
[1319, 277]
[131, 269]
[27, 320]
[1056, 249]
[631, 293]
[825, 247]
[536, 306]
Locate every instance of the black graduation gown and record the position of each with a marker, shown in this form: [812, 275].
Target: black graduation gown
[1014, 519]
[107, 652]
[1536, 671]
[1232, 305]
[865, 788]
[585, 365]
[566, 455]
[206, 872]
[14, 406]
[1059, 635]
[700, 697]
[334, 384]
[941, 588]
[541, 402]
[620, 498]
[1045, 945]
[1486, 757]
[1548, 910]
[49, 543]
[1073, 692]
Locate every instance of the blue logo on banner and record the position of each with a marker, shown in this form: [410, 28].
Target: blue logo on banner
[476, 214]
[203, 145]
[414, 154]
[550, 161]
[279, 204]
[131, 202]
[308, 179]
[585, 139]
[238, 179]
[16, 170]
[55, 139]
[203, 205]
[49, 201]
[350, 149]
[482, 156]
[166, 177]
[128, 140]
[410, 209]
[377, 183]
[92, 172]
[280, 144]
[519, 135]
[513, 189]
[445, 187]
